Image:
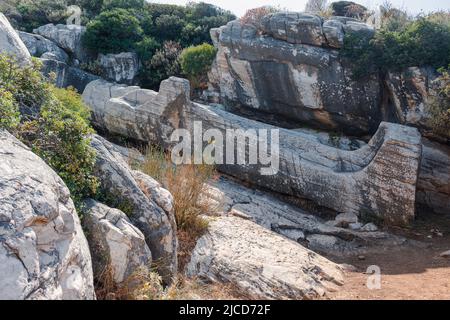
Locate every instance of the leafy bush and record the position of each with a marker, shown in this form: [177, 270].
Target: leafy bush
[9, 111]
[36, 13]
[113, 31]
[54, 123]
[422, 43]
[196, 61]
[25, 84]
[163, 64]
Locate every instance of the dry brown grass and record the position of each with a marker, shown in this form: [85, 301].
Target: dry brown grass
[194, 289]
[187, 184]
[143, 284]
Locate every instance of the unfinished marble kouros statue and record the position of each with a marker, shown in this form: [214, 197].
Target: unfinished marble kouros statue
[376, 181]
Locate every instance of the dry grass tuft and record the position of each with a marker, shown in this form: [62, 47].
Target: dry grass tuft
[187, 184]
[143, 284]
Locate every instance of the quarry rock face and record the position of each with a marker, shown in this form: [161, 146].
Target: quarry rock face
[261, 263]
[157, 225]
[66, 75]
[43, 251]
[297, 75]
[376, 180]
[38, 45]
[11, 44]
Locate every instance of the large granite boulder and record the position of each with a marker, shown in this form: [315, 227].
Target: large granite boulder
[261, 263]
[38, 45]
[66, 75]
[118, 248]
[11, 44]
[68, 37]
[302, 83]
[119, 182]
[43, 251]
[122, 67]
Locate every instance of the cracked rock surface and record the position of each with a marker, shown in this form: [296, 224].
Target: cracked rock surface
[43, 251]
[116, 245]
[260, 262]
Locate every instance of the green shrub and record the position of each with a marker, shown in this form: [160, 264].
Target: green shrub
[40, 12]
[9, 111]
[422, 43]
[196, 61]
[163, 64]
[113, 31]
[54, 124]
[25, 84]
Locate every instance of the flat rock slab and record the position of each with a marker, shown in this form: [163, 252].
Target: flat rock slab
[288, 220]
[260, 262]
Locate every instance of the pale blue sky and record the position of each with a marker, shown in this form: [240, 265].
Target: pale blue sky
[240, 6]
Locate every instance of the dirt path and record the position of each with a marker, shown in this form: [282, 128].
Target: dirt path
[408, 273]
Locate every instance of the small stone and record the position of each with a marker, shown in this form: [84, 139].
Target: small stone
[343, 220]
[348, 267]
[445, 254]
[361, 257]
[355, 226]
[370, 227]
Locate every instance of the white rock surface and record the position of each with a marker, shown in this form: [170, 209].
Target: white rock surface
[157, 224]
[261, 263]
[67, 37]
[11, 44]
[122, 67]
[43, 251]
[116, 245]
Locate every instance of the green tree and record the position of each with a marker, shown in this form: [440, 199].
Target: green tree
[163, 64]
[113, 31]
[421, 43]
[9, 111]
[196, 62]
[124, 4]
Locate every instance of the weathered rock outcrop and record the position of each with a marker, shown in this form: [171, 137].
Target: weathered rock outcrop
[38, 45]
[261, 263]
[121, 68]
[117, 247]
[120, 183]
[410, 94]
[67, 75]
[433, 188]
[311, 231]
[378, 179]
[43, 251]
[68, 37]
[10, 42]
[295, 74]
